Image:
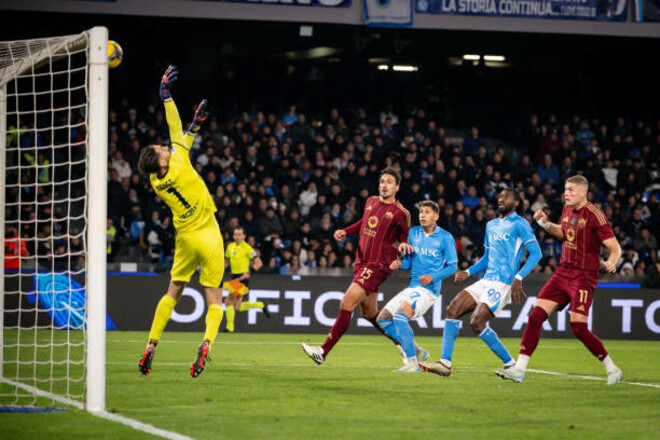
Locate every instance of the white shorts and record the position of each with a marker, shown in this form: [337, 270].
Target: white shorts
[419, 298]
[495, 294]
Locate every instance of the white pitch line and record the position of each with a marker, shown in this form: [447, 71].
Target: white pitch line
[135, 424]
[364, 344]
[599, 379]
[384, 367]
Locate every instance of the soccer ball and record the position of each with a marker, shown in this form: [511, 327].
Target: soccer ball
[115, 54]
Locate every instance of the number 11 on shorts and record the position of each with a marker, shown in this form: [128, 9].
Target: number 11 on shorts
[584, 295]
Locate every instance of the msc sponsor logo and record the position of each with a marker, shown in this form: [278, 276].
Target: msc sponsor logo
[427, 252]
[499, 236]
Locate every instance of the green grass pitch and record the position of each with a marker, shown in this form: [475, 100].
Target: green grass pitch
[262, 386]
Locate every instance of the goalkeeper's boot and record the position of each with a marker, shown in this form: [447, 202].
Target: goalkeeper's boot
[147, 357]
[314, 353]
[439, 368]
[200, 362]
[266, 312]
[512, 373]
[422, 354]
[614, 377]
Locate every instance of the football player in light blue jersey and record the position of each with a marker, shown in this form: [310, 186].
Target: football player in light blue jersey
[506, 239]
[434, 258]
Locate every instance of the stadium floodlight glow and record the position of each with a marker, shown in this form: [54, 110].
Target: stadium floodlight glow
[404, 68]
[471, 57]
[494, 58]
[383, 67]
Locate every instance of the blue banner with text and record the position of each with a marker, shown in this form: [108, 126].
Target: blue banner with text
[600, 10]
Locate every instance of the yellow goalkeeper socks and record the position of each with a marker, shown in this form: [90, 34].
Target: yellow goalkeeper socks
[213, 320]
[163, 312]
[231, 314]
[251, 305]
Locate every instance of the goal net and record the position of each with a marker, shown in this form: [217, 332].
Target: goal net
[53, 177]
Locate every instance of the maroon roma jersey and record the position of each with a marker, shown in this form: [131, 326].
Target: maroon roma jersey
[380, 227]
[584, 232]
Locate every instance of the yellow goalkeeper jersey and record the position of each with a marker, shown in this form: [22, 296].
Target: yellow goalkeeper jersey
[239, 256]
[181, 187]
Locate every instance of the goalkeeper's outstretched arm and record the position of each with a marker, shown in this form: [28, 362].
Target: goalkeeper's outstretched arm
[200, 116]
[171, 112]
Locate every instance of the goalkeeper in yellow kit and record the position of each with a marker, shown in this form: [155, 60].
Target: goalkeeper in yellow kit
[198, 240]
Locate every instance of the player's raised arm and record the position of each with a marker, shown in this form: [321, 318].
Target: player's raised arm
[171, 112]
[404, 224]
[552, 228]
[200, 116]
[340, 234]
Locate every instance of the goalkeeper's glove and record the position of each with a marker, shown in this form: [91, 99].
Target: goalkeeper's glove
[200, 116]
[170, 75]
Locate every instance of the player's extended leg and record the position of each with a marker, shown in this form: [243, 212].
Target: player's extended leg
[353, 296]
[461, 304]
[579, 325]
[478, 322]
[213, 320]
[407, 338]
[161, 317]
[246, 305]
[543, 308]
[230, 312]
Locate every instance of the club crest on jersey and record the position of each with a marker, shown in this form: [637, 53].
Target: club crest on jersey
[582, 223]
[570, 234]
[372, 222]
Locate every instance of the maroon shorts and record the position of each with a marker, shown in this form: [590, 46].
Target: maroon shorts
[370, 276]
[571, 286]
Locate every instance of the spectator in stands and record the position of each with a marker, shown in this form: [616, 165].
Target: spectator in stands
[473, 141]
[548, 172]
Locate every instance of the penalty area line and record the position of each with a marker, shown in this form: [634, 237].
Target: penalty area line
[135, 424]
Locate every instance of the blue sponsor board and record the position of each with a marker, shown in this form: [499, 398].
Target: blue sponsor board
[599, 10]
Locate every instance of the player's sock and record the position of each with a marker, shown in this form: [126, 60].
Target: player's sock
[532, 332]
[162, 315]
[388, 328]
[405, 334]
[231, 315]
[489, 336]
[608, 363]
[376, 323]
[337, 331]
[591, 341]
[449, 335]
[213, 320]
[521, 362]
[251, 305]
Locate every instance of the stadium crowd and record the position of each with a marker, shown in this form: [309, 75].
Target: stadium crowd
[290, 180]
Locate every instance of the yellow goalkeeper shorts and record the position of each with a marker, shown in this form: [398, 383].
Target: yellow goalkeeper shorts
[203, 248]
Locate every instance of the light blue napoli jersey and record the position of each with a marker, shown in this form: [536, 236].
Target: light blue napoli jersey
[505, 243]
[435, 255]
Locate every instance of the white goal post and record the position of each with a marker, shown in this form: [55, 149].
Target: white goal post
[53, 208]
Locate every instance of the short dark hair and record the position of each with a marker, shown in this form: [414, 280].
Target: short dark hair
[392, 172]
[431, 204]
[239, 227]
[149, 161]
